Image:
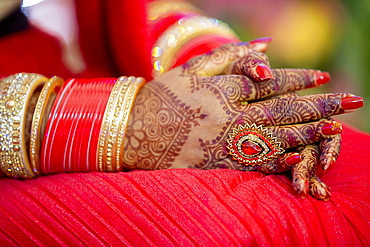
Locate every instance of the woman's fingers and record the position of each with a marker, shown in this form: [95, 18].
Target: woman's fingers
[291, 136]
[217, 60]
[305, 169]
[285, 111]
[304, 175]
[330, 149]
[288, 80]
[239, 88]
[260, 44]
[255, 66]
[318, 189]
[284, 162]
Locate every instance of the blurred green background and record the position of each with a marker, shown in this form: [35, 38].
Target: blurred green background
[330, 35]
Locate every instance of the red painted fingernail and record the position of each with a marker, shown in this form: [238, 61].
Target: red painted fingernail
[264, 73]
[322, 77]
[330, 163]
[293, 160]
[304, 188]
[331, 129]
[352, 103]
[261, 40]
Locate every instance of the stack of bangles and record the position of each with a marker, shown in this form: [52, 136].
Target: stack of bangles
[48, 126]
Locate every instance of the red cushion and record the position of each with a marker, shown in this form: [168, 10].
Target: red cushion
[189, 207]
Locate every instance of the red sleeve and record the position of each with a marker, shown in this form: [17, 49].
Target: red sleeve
[93, 38]
[32, 51]
[117, 37]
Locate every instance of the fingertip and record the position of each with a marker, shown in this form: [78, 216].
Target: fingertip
[293, 159]
[352, 103]
[328, 164]
[302, 188]
[263, 73]
[320, 191]
[265, 40]
[260, 44]
[332, 128]
[322, 77]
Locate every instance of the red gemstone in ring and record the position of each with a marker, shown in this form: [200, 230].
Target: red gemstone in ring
[253, 145]
[251, 148]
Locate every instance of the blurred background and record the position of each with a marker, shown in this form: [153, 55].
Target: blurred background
[330, 35]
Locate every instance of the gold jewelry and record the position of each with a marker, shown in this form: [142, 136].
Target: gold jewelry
[164, 8]
[253, 145]
[179, 34]
[132, 91]
[40, 116]
[115, 121]
[16, 93]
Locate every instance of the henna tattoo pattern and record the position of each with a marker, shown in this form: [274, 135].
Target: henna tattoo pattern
[318, 189]
[220, 57]
[285, 111]
[247, 65]
[301, 110]
[234, 88]
[303, 171]
[330, 149]
[161, 123]
[298, 135]
[228, 93]
[154, 139]
[285, 80]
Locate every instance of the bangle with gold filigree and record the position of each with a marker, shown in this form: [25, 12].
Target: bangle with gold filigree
[115, 120]
[16, 93]
[40, 116]
[164, 8]
[182, 32]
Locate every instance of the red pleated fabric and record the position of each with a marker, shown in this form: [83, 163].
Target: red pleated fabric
[190, 207]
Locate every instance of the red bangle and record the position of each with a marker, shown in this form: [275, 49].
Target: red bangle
[76, 108]
[71, 136]
[98, 114]
[77, 152]
[200, 45]
[60, 131]
[84, 151]
[49, 134]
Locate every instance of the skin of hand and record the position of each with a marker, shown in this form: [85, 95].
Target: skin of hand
[183, 118]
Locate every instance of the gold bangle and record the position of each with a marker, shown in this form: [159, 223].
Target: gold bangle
[164, 8]
[16, 92]
[115, 122]
[104, 130]
[40, 116]
[133, 89]
[176, 36]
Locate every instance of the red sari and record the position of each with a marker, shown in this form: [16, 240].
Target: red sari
[177, 207]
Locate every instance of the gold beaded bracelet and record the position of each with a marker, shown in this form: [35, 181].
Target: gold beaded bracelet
[40, 116]
[115, 122]
[179, 34]
[16, 93]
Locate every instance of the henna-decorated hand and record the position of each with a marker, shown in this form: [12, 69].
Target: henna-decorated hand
[183, 119]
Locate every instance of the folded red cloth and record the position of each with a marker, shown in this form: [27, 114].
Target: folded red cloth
[190, 207]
